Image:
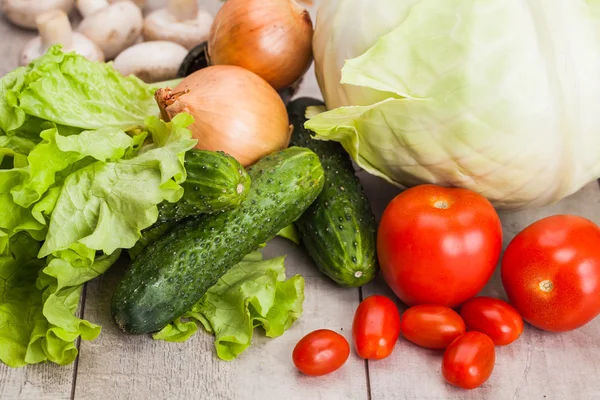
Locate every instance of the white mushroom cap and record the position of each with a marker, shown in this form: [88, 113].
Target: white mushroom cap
[182, 22]
[24, 12]
[55, 28]
[113, 27]
[139, 3]
[151, 61]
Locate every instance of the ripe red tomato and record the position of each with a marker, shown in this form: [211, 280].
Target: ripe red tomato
[438, 245]
[432, 326]
[469, 360]
[376, 327]
[494, 317]
[551, 272]
[320, 352]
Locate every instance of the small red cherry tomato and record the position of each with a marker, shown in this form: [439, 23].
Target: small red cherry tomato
[469, 360]
[494, 317]
[320, 352]
[376, 327]
[432, 326]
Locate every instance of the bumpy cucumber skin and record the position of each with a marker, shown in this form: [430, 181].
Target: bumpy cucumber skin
[339, 229]
[174, 272]
[215, 182]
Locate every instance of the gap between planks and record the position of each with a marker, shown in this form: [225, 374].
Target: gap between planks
[78, 342]
[367, 377]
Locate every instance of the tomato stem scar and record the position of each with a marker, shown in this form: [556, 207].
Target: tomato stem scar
[546, 285]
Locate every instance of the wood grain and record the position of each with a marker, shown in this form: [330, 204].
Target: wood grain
[540, 365]
[136, 367]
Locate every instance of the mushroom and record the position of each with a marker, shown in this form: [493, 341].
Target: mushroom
[151, 61]
[139, 3]
[24, 12]
[181, 22]
[55, 28]
[113, 27]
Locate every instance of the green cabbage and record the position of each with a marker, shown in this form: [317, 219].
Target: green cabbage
[497, 96]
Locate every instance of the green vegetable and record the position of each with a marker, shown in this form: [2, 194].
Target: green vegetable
[215, 182]
[175, 271]
[67, 89]
[439, 91]
[252, 293]
[339, 228]
[71, 197]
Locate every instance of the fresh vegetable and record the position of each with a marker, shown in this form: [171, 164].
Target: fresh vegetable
[437, 92]
[197, 58]
[252, 293]
[25, 13]
[181, 22]
[151, 61]
[432, 326]
[215, 182]
[75, 189]
[469, 360]
[174, 272]
[235, 111]
[70, 91]
[54, 27]
[494, 317]
[376, 327]
[271, 38]
[551, 272]
[438, 245]
[320, 352]
[339, 229]
[113, 27]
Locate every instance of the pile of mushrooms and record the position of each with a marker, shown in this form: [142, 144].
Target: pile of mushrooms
[151, 49]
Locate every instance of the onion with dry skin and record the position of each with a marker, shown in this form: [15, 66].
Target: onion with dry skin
[234, 110]
[272, 38]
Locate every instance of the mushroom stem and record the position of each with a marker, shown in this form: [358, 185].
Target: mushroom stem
[90, 7]
[55, 28]
[183, 9]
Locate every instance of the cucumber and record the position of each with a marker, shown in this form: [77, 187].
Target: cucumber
[175, 271]
[215, 182]
[339, 229]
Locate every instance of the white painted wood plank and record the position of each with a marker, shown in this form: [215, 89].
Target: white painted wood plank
[118, 365]
[540, 365]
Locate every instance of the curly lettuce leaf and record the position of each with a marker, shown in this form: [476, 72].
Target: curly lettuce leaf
[88, 195]
[70, 90]
[253, 293]
[105, 206]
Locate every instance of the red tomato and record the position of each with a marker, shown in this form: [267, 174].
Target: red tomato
[320, 352]
[432, 326]
[438, 245]
[551, 272]
[376, 327]
[494, 317]
[469, 360]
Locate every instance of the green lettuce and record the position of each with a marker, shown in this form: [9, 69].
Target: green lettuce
[253, 293]
[69, 90]
[83, 164]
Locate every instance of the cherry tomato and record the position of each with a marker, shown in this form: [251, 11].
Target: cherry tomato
[320, 352]
[376, 327]
[432, 326]
[469, 360]
[438, 245]
[551, 272]
[494, 317]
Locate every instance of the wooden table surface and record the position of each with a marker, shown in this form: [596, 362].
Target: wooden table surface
[540, 365]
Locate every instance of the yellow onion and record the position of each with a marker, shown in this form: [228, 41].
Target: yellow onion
[234, 110]
[272, 38]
